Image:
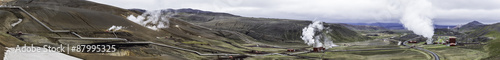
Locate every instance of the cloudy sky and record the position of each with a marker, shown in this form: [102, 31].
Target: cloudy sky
[444, 12]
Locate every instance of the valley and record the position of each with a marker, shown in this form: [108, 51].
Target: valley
[192, 34]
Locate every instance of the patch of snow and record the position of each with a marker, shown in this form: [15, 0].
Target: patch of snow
[115, 28]
[19, 21]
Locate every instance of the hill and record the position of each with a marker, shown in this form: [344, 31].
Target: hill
[266, 30]
[363, 27]
[492, 38]
[196, 30]
[469, 26]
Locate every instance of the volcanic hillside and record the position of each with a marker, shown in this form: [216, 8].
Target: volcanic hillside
[281, 31]
[492, 34]
[206, 32]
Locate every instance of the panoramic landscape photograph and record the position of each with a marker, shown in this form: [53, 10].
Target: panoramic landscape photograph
[250, 29]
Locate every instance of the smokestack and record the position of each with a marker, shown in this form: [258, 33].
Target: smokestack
[399, 42]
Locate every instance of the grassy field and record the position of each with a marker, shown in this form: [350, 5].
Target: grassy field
[454, 53]
[274, 57]
[493, 46]
[398, 54]
[383, 35]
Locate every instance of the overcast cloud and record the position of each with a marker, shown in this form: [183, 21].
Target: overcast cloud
[447, 12]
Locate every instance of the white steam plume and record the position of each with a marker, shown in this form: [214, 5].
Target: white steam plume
[417, 17]
[328, 43]
[153, 19]
[308, 33]
[312, 34]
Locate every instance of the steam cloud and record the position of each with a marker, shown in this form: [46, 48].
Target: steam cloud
[313, 33]
[417, 15]
[115, 28]
[153, 19]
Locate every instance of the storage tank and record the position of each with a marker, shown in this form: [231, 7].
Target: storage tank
[453, 40]
[318, 49]
[290, 50]
[315, 49]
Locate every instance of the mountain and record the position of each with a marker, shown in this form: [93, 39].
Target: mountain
[187, 10]
[469, 26]
[474, 23]
[81, 17]
[53, 22]
[362, 27]
[443, 26]
[265, 30]
[489, 34]
[397, 26]
[200, 12]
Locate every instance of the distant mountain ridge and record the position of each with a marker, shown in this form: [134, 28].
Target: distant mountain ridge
[378, 25]
[188, 10]
[397, 26]
[276, 31]
[362, 27]
[469, 26]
